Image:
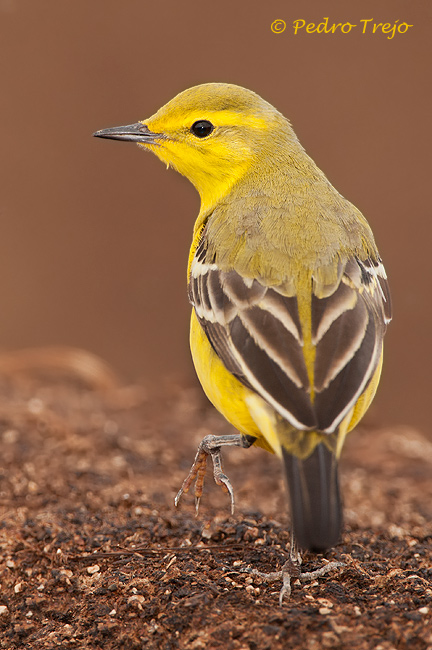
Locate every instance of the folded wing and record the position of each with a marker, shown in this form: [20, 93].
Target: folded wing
[257, 332]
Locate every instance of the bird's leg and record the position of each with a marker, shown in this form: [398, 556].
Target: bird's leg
[291, 569]
[211, 446]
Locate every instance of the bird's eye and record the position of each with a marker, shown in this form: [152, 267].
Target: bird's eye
[202, 128]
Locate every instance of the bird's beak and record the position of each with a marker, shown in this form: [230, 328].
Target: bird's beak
[138, 132]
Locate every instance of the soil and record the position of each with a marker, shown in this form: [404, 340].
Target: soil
[95, 555]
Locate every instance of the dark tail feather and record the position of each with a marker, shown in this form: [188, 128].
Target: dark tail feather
[316, 508]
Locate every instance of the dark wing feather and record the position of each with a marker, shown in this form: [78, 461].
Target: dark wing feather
[257, 333]
[348, 327]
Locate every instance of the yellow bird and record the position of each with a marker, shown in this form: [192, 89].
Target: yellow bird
[290, 298]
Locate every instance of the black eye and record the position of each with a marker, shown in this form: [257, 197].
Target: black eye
[202, 128]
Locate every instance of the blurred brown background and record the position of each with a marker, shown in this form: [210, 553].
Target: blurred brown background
[95, 235]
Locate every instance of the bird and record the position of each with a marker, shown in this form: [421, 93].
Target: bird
[290, 298]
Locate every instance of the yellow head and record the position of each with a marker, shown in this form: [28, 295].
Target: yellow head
[212, 134]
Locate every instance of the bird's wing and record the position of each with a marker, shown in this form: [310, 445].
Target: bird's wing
[256, 331]
[348, 327]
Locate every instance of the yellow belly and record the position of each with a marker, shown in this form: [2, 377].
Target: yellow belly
[224, 391]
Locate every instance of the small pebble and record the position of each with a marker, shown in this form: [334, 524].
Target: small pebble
[324, 602]
[95, 568]
[3, 610]
[138, 598]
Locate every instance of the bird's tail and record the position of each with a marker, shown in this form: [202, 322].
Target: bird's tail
[316, 508]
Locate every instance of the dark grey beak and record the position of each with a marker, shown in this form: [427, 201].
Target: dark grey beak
[138, 132]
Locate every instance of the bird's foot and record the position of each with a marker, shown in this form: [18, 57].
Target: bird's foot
[211, 446]
[291, 570]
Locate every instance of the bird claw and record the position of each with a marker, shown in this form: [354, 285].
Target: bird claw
[225, 483]
[291, 570]
[196, 473]
[210, 446]
[308, 576]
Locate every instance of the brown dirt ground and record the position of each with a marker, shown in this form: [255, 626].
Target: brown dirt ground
[95, 555]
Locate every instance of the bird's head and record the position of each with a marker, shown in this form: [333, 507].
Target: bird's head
[212, 134]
